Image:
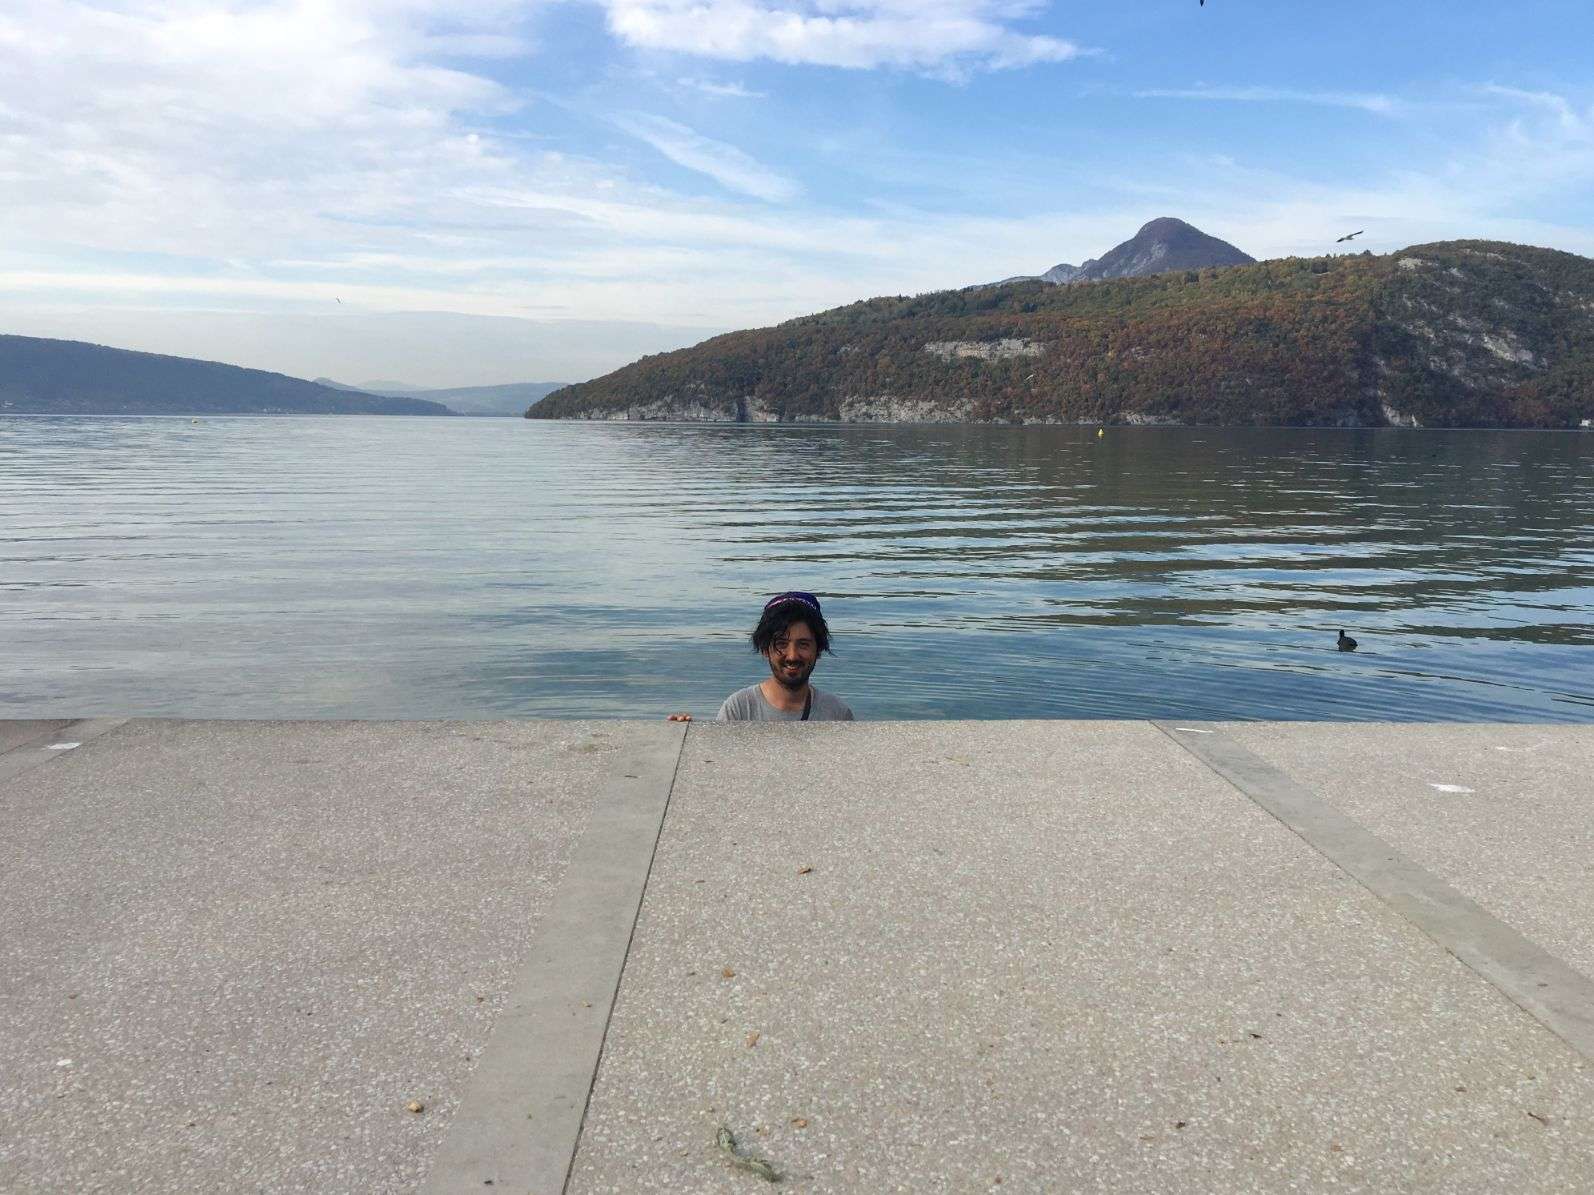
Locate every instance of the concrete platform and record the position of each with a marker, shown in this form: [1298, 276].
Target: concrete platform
[998, 956]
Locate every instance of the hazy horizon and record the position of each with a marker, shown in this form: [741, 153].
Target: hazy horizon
[424, 350]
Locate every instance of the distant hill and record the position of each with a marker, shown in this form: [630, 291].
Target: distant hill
[1453, 334]
[1162, 245]
[511, 398]
[69, 377]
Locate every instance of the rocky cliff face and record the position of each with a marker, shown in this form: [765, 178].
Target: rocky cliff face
[1468, 326]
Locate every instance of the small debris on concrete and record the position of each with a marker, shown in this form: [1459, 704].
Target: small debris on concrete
[728, 973]
[1179, 1124]
[416, 1106]
[802, 871]
[744, 1160]
[1544, 1120]
[799, 1122]
[752, 1039]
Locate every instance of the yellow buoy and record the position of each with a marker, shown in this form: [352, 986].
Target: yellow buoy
[1101, 431]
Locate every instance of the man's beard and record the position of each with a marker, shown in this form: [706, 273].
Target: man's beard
[791, 680]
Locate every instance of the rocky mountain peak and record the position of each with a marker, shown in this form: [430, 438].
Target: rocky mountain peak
[1165, 228]
[1162, 245]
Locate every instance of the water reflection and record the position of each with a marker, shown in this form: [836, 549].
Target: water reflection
[417, 568]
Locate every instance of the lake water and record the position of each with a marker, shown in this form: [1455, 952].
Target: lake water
[480, 568]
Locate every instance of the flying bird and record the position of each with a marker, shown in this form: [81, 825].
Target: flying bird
[1351, 236]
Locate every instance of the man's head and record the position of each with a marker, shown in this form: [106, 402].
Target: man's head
[791, 635]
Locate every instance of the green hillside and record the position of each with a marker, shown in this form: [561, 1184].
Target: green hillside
[1452, 334]
[69, 377]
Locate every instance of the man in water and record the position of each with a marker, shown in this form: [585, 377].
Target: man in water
[791, 635]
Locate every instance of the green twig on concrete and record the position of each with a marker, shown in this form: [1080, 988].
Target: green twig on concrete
[743, 1160]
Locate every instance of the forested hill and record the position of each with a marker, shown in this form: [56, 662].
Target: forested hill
[1452, 334]
[69, 377]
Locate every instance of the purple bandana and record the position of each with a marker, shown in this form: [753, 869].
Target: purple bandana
[807, 599]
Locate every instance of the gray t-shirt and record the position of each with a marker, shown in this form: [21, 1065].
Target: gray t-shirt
[748, 705]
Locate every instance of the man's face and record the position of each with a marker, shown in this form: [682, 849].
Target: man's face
[792, 656]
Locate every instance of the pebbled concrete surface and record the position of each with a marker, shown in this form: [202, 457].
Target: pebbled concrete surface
[1065, 956]
[231, 953]
[1520, 841]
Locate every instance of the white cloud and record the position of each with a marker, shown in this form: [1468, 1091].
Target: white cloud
[943, 37]
[197, 130]
[1566, 113]
[725, 164]
[1367, 102]
[723, 90]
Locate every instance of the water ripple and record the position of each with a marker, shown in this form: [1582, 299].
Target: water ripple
[471, 568]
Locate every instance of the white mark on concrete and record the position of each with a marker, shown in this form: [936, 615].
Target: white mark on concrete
[1450, 788]
[62, 746]
[1192, 730]
[1532, 747]
[63, 1062]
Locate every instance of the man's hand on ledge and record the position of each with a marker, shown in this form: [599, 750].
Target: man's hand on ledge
[679, 718]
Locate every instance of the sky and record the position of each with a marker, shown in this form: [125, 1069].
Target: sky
[543, 190]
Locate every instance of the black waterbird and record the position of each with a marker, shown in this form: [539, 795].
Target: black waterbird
[1345, 642]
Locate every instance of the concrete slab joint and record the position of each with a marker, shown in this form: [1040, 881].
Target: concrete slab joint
[520, 1120]
[1557, 995]
[37, 744]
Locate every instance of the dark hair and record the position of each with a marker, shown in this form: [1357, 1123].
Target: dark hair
[777, 621]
